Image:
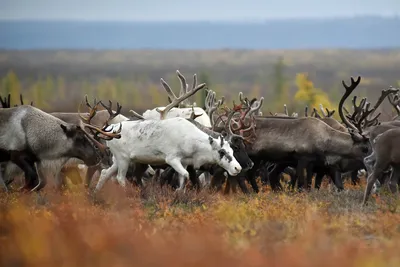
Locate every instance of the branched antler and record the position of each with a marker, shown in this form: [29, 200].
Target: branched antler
[110, 111]
[85, 123]
[212, 105]
[395, 101]
[175, 101]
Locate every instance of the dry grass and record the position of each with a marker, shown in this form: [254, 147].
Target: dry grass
[157, 227]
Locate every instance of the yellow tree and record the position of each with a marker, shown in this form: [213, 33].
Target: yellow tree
[308, 95]
[38, 95]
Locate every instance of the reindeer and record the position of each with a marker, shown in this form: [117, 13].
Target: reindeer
[63, 165]
[304, 140]
[29, 135]
[235, 141]
[173, 141]
[386, 154]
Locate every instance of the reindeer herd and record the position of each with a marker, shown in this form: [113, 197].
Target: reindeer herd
[209, 146]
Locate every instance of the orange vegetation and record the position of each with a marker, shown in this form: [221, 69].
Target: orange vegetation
[157, 227]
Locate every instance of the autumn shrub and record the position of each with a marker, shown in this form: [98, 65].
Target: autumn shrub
[159, 227]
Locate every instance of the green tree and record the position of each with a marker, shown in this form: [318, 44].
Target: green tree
[11, 85]
[280, 83]
[61, 87]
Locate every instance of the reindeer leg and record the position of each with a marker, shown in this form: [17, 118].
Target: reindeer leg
[105, 175]
[369, 162]
[123, 166]
[166, 176]
[180, 169]
[264, 173]
[301, 165]
[194, 178]
[2, 183]
[394, 179]
[375, 175]
[218, 179]
[230, 183]
[355, 180]
[274, 179]
[318, 178]
[240, 179]
[139, 171]
[91, 170]
[27, 164]
[42, 178]
[310, 173]
[336, 177]
[250, 175]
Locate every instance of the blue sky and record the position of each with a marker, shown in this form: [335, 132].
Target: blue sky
[164, 10]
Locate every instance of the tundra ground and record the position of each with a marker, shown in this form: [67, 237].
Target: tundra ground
[158, 227]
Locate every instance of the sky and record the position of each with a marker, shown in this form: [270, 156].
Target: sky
[190, 10]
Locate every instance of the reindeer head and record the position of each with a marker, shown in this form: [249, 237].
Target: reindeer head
[224, 155]
[85, 142]
[361, 119]
[237, 144]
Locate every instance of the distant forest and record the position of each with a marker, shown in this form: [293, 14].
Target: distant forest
[59, 79]
[349, 33]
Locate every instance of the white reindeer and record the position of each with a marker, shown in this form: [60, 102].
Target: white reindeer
[184, 110]
[176, 142]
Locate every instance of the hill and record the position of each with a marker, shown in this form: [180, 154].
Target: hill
[350, 33]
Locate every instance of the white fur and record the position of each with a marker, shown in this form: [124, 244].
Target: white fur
[153, 114]
[176, 142]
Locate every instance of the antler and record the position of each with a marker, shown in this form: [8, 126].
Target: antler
[185, 88]
[6, 103]
[228, 128]
[193, 115]
[92, 110]
[364, 121]
[321, 108]
[93, 129]
[110, 111]
[328, 113]
[394, 101]
[285, 110]
[22, 101]
[177, 100]
[315, 114]
[108, 136]
[137, 115]
[212, 105]
[349, 90]
[255, 108]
